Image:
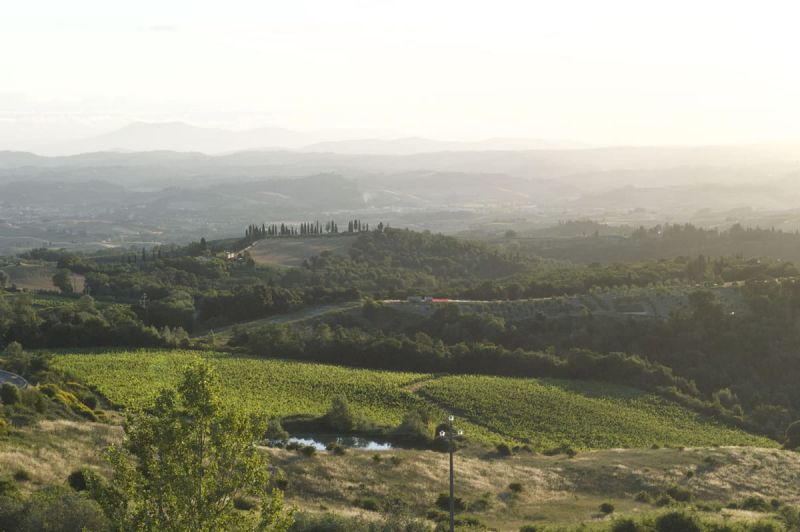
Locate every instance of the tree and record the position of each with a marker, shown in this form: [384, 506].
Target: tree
[4, 279]
[339, 417]
[185, 460]
[63, 281]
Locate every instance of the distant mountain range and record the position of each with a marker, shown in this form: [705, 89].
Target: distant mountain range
[179, 136]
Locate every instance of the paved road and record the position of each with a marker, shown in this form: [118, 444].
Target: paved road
[13, 378]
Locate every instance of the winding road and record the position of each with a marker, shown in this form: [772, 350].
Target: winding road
[13, 378]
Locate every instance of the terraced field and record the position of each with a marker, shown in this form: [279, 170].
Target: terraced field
[490, 409]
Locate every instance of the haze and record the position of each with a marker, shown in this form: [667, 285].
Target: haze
[596, 73]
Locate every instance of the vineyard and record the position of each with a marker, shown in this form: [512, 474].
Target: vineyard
[581, 414]
[545, 412]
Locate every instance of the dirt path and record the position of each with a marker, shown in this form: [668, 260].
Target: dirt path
[306, 313]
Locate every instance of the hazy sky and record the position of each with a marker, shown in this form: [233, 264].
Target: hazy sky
[601, 71]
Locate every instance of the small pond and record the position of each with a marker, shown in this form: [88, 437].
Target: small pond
[321, 441]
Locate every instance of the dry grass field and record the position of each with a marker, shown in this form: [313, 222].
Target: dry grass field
[38, 276]
[292, 252]
[554, 489]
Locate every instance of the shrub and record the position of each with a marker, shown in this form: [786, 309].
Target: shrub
[626, 525]
[10, 394]
[280, 481]
[664, 500]
[395, 460]
[20, 475]
[377, 458]
[793, 436]
[56, 509]
[443, 502]
[243, 503]
[12, 510]
[77, 480]
[7, 486]
[607, 508]
[561, 449]
[308, 451]
[679, 493]
[275, 431]
[678, 522]
[89, 400]
[368, 503]
[503, 449]
[515, 487]
[643, 496]
[336, 449]
[529, 528]
[755, 504]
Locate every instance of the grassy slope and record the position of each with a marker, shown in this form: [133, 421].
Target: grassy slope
[38, 276]
[293, 251]
[555, 489]
[585, 415]
[578, 413]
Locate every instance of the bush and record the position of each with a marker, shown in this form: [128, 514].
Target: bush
[243, 503]
[20, 475]
[793, 436]
[275, 432]
[368, 503]
[443, 502]
[12, 511]
[528, 528]
[678, 522]
[755, 504]
[77, 480]
[664, 500]
[626, 525]
[55, 509]
[644, 497]
[679, 493]
[10, 394]
[515, 487]
[561, 449]
[336, 449]
[503, 449]
[308, 451]
[607, 508]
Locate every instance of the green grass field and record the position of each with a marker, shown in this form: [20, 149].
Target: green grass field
[490, 409]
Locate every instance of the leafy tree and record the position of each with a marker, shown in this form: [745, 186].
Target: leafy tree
[63, 281]
[185, 461]
[339, 416]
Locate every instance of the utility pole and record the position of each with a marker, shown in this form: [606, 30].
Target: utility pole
[451, 434]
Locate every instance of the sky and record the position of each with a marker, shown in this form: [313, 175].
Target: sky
[603, 72]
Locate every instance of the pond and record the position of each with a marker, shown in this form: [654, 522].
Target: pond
[321, 441]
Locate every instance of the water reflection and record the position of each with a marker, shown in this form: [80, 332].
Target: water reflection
[321, 441]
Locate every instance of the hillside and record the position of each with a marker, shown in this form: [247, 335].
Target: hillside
[292, 252]
[586, 415]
